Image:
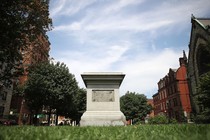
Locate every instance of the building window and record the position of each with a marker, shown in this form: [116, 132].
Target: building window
[171, 89]
[4, 96]
[175, 102]
[169, 104]
[163, 105]
[175, 88]
[179, 102]
[160, 96]
[1, 111]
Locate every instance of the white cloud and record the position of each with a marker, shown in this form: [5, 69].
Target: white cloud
[118, 35]
[70, 27]
[119, 4]
[68, 7]
[142, 72]
[98, 59]
[161, 16]
[57, 7]
[142, 76]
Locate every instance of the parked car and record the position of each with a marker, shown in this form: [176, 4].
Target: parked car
[1, 122]
[9, 122]
[13, 122]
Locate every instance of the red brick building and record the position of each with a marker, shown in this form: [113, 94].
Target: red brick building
[160, 98]
[35, 53]
[150, 102]
[173, 98]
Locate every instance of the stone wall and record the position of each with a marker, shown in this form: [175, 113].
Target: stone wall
[200, 35]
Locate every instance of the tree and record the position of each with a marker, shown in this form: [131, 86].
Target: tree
[51, 85]
[134, 106]
[35, 94]
[203, 95]
[21, 22]
[80, 102]
[203, 99]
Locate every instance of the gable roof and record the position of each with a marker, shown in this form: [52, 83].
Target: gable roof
[203, 22]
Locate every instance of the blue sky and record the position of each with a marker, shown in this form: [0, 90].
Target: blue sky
[141, 38]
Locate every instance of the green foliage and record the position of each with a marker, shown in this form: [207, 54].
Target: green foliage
[203, 93]
[140, 132]
[173, 121]
[159, 119]
[19, 90]
[202, 118]
[51, 85]
[79, 101]
[21, 21]
[203, 99]
[134, 106]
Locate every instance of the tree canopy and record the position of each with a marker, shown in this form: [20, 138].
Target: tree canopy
[51, 85]
[203, 98]
[203, 94]
[80, 105]
[134, 106]
[21, 21]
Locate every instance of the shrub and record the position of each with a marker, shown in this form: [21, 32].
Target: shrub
[173, 121]
[200, 118]
[159, 119]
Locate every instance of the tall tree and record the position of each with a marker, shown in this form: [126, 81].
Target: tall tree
[35, 94]
[21, 21]
[134, 106]
[203, 95]
[80, 102]
[51, 85]
[203, 99]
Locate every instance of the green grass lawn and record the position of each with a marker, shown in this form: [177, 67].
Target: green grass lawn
[143, 132]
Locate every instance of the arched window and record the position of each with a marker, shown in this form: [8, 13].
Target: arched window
[203, 59]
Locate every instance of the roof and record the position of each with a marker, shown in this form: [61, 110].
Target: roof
[204, 22]
[155, 95]
[174, 70]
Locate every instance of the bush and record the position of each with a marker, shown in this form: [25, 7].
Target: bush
[202, 119]
[139, 122]
[159, 119]
[173, 121]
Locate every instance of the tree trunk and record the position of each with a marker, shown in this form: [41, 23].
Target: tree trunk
[56, 121]
[31, 118]
[49, 116]
[35, 118]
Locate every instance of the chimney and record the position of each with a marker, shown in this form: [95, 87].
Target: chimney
[183, 60]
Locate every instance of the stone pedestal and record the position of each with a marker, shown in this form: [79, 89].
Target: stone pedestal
[103, 105]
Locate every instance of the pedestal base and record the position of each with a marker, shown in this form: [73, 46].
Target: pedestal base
[102, 118]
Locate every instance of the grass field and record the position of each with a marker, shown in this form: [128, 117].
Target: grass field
[143, 132]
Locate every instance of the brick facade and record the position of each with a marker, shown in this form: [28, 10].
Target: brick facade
[150, 102]
[173, 98]
[35, 53]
